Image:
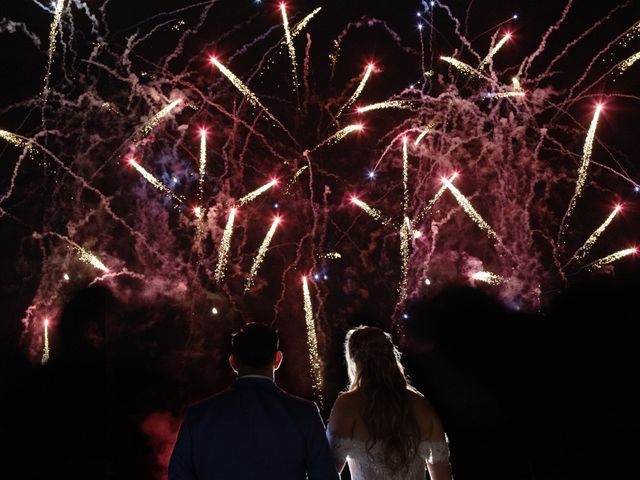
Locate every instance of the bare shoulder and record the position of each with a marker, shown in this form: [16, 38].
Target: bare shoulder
[419, 401]
[425, 413]
[344, 413]
[348, 401]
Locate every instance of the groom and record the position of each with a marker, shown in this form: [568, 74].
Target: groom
[253, 429]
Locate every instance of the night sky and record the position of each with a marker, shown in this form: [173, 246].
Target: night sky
[131, 347]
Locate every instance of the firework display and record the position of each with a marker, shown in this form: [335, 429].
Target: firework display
[358, 91]
[261, 253]
[45, 348]
[495, 50]
[534, 159]
[586, 246]
[312, 341]
[383, 105]
[225, 245]
[488, 277]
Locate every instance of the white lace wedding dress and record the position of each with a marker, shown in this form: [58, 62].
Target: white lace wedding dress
[363, 466]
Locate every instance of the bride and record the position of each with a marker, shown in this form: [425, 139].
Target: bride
[382, 426]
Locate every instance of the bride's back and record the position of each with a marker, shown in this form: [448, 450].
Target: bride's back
[352, 405]
[382, 425]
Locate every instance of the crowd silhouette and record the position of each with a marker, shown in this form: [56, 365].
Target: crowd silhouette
[545, 396]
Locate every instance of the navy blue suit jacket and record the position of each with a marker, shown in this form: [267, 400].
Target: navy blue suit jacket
[252, 430]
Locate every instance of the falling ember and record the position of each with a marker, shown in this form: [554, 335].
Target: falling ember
[359, 89]
[463, 67]
[294, 178]
[297, 174]
[433, 201]
[383, 105]
[611, 258]
[630, 34]
[622, 66]
[53, 33]
[424, 132]
[312, 342]
[90, 258]
[584, 249]
[405, 234]
[292, 51]
[261, 253]
[13, 139]
[85, 255]
[494, 50]
[152, 180]
[244, 90]
[303, 23]
[370, 210]
[225, 244]
[584, 165]
[153, 122]
[468, 208]
[488, 277]
[516, 84]
[339, 135]
[332, 255]
[203, 162]
[506, 94]
[45, 350]
[256, 193]
[405, 176]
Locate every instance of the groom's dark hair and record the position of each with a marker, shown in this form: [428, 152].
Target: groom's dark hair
[255, 345]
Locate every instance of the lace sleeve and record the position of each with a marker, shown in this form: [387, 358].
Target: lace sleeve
[338, 448]
[438, 452]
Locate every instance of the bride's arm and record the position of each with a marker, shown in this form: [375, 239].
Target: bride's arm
[339, 427]
[437, 456]
[438, 460]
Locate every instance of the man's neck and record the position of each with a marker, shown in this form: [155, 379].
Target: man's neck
[255, 375]
[257, 372]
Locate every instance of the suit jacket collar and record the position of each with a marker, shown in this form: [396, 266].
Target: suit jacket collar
[254, 381]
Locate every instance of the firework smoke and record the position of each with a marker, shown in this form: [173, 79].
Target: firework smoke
[516, 153]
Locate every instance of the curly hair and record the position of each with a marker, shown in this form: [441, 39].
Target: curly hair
[375, 370]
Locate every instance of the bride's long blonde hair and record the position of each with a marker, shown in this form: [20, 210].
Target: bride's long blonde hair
[375, 370]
